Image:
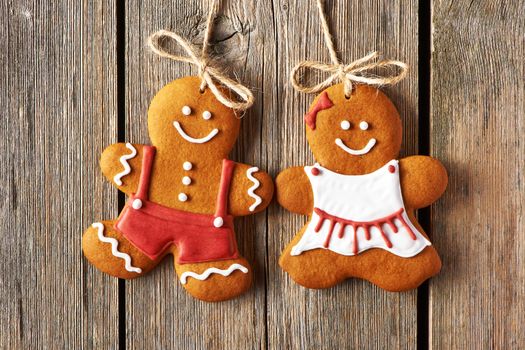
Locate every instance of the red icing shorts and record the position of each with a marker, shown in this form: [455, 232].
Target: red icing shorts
[153, 228]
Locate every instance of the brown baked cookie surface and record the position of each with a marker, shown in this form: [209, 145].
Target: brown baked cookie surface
[360, 198]
[183, 196]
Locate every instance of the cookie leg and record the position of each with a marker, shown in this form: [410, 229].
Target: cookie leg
[396, 274]
[311, 269]
[109, 251]
[320, 268]
[216, 280]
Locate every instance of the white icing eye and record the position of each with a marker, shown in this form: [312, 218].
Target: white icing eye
[183, 197]
[363, 125]
[345, 125]
[206, 115]
[186, 110]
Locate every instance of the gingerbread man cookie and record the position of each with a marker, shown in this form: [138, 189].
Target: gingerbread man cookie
[361, 199]
[183, 196]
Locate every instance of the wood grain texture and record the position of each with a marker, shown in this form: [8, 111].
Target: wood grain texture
[98, 199]
[58, 110]
[354, 314]
[160, 314]
[57, 103]
[477, 130]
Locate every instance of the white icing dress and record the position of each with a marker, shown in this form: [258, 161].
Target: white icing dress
[353, 213]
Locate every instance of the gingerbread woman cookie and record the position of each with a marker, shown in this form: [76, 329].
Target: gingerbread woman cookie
[183, 196]
[361, 199]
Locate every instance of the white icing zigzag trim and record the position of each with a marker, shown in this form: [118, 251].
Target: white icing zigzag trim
[251, 190]
[356, 152]
[208, 272]
[114, 250]
[188, 138]
[124, 161]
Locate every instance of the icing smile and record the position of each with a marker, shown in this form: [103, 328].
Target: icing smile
[188, 138]
[356, 152]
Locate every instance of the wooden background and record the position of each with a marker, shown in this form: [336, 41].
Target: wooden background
[77, 76]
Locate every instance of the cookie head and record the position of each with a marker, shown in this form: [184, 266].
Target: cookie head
[186, 120]
[353, 135]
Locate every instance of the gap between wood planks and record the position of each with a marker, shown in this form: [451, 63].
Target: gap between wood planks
[424, 66]
[121, 137]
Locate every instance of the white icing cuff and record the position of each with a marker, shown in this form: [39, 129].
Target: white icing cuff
[208, 272]
[251, 190]
[124, 161]
[114, 244]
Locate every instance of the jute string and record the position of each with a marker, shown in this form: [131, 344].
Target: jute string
[209, 75]
[357, 71]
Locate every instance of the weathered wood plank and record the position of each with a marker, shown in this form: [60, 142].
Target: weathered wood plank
[98, 200]
[477, 130]
[160, 314]
[57, 105]
[354, 314]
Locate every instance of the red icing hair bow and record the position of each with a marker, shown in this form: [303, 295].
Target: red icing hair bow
[323, 102]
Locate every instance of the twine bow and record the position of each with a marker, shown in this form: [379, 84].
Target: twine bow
[357, 71]
[209, 74]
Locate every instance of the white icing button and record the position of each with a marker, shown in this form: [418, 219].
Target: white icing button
[218, 222]
[186, 180]
[183, 197]
[187, 166]
[206, 115]
[363, 125]
[186, 110]
[137, 204]
[345, 125]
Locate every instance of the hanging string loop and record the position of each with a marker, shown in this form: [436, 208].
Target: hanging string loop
[358, 71]
[210, 76]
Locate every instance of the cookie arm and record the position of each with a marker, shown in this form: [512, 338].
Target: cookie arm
[121, 164]
[251, 190]
[294, 192]
[423, 180]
